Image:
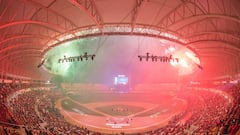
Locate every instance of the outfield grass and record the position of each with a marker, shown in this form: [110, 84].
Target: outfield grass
[116, 97]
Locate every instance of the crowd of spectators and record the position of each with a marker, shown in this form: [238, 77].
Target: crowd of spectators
[231, 123]
[55, 122]
[7, 122]
[34, 110]
[212, 114]
[6, 89]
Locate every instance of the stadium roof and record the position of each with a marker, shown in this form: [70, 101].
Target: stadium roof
[28, 28]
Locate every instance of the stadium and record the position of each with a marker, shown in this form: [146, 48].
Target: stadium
[119, 67]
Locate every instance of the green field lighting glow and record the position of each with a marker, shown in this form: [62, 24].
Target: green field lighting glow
[69, 49]
[114, 55]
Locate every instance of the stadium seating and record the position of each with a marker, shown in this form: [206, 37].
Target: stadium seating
[27, 109]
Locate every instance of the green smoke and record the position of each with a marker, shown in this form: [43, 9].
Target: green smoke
[68, 49]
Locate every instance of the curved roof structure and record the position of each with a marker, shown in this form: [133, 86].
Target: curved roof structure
[29, 28]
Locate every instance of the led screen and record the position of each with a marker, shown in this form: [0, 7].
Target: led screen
[120, 79]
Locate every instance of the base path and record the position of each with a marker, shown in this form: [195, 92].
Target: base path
[121, 116]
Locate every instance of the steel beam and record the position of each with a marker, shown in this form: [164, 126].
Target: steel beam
[192, 9]
[179, 12]
[27, 58]
[211, 29]
[122, 29]
[223, 34]
[208, 16]
[89, 7]
[207, 20]
[48, 13]
[211, 40]
[27, 36]
[17, 46]
[216, 49]
[18, 52]
[49, 10]
[48, 16]
[113, 33]
[24, 57]
[136, 11]
[44, 24]
[227, 47]
[214, 36]
[217, 52]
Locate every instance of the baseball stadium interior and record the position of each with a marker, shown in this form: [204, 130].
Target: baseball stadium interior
[119, 67]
